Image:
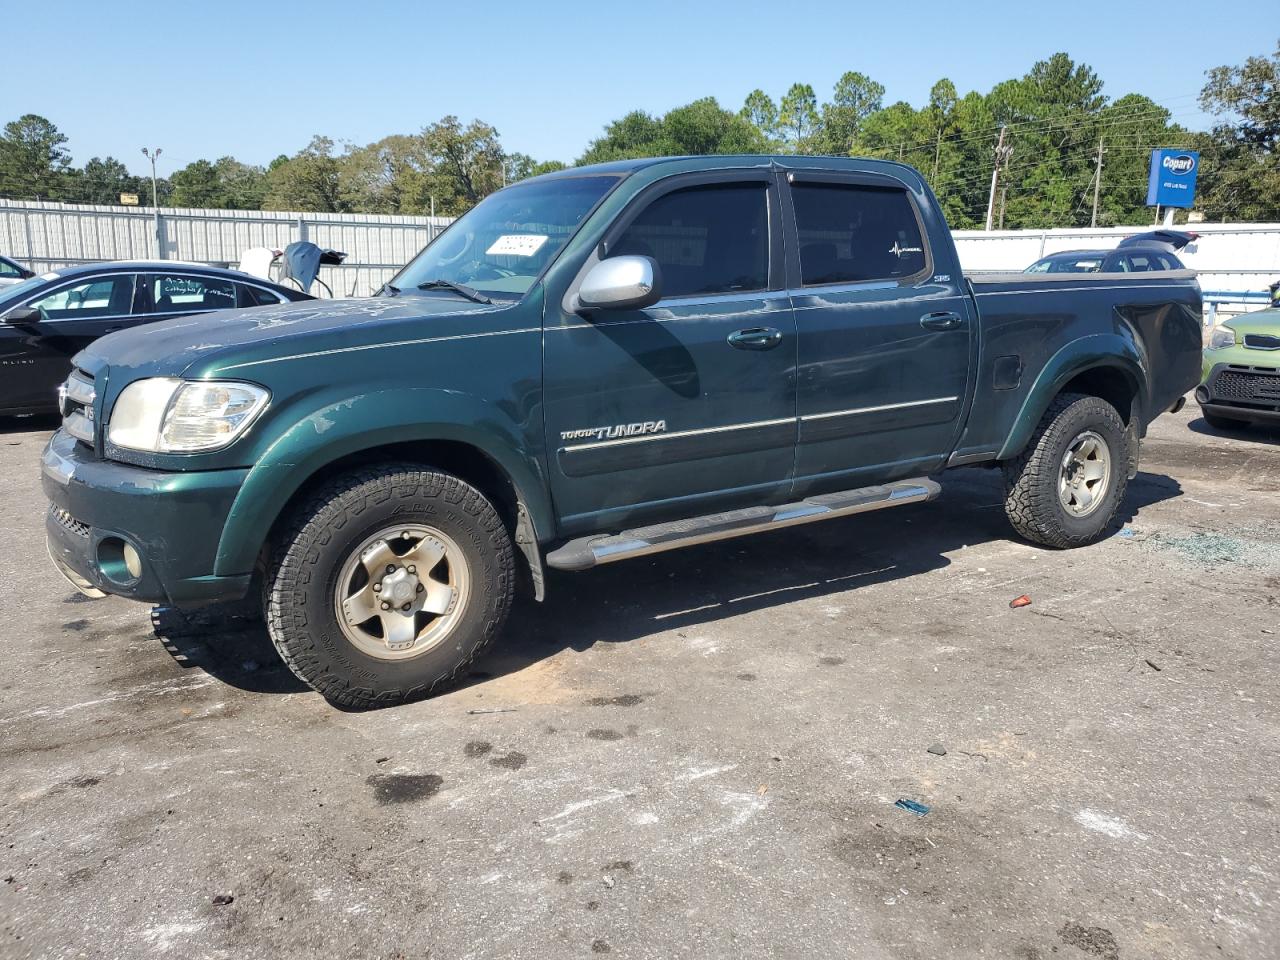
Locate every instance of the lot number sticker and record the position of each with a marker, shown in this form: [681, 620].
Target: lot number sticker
[516, 245]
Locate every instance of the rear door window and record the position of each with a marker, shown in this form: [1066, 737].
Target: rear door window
[110, 296]
[706, 239]
[256, 296]
[187, 293]
[852, 233]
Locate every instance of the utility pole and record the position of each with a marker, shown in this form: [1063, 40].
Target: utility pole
[155, 197]
[1097, 184]
[1004, 183]
[1002, 154]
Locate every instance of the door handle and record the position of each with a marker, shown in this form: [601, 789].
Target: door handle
[942, 321]
[755, 338]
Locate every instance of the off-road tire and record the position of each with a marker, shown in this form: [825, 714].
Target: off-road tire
[1226, 424]
[321, 534]
[1031, 500]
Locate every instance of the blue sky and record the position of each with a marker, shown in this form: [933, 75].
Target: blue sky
[253, 80]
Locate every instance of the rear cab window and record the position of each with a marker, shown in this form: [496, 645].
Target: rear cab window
[853, 233]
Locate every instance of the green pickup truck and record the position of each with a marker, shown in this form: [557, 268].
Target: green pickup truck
[593, 365]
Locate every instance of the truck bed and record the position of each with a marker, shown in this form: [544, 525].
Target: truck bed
[1025, 319]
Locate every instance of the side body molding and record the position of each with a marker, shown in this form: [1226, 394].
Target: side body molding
[1097, 351]
[347, 426]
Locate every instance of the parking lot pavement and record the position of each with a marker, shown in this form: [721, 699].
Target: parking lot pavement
[695, 754]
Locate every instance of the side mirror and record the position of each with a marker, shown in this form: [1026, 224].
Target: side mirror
[619, 283]
[22, 317]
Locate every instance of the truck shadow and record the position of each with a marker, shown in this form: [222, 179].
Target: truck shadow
[686, 588]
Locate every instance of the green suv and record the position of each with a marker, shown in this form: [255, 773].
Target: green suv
[1241, 377]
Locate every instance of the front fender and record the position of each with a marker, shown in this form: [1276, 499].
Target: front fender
[371, 420]
[1097, 351]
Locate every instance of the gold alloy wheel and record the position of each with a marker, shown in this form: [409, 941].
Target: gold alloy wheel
[402, 591]
[1085, 475]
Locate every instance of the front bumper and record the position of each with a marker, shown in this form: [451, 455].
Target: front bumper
[172, 520]
[1241, 391]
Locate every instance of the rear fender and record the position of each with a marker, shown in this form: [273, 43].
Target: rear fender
[372, 420]
[1098, 351]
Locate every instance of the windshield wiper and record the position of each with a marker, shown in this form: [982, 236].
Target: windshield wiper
[459, 288]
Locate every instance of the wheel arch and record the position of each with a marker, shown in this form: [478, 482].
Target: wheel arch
[476, 443]
[1106, 366]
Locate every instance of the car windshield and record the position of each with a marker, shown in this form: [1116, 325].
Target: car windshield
[501, 245]
[1084, 264]
[13, 293]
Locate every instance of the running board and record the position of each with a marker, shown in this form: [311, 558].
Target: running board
[592, 551]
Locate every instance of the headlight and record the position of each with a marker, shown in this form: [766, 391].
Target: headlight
[1222, 337]
[165, 415]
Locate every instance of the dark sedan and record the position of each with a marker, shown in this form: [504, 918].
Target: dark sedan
[1123, 260]
[47, 319]
[1140, 253]
[11, 271]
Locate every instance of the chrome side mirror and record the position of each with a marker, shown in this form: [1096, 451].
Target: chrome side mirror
[619, 283]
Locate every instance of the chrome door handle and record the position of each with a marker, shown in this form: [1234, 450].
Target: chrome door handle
[755, 338]
[942, 321]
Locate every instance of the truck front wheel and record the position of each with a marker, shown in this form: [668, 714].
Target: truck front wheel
[387, 583]
[1065, 488]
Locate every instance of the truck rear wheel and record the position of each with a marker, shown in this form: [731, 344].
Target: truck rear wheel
[387, 584]
[1065, 488]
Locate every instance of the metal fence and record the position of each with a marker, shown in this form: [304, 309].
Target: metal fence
[1236, 262]
[46, 236]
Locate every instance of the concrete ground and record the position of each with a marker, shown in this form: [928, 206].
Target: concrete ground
[695, 754]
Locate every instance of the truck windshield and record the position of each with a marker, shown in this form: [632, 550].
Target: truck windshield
[501, 245]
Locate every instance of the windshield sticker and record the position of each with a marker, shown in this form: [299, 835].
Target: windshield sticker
[48, 276]
[516, 245]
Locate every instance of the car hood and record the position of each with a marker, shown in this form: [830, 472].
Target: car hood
[1261, 321]
[174, 347]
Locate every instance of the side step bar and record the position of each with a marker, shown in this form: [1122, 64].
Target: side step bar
[594, 550]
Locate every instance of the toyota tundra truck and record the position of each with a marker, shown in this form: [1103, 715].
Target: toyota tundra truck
[589, 366]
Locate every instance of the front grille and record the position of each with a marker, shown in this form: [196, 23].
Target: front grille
[64, 519]
[75, 399]
[1247, 385]
[1261, 341]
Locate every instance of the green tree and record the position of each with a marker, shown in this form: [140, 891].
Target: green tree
[1240, 158]
[856, 97]
[388, 176]
[244, 185]
[309, 180]
[102, 180]
[34, 162]
[197, 185]
[465, 163]
[761, 112]
[798, 117]
[699, 128]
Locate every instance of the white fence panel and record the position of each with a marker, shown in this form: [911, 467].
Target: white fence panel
[1236, 262]
[49, 235]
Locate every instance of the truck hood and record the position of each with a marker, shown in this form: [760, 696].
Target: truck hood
[174, 347]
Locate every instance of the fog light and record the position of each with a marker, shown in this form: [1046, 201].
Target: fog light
[132, 562]
[119, 561]
[1202, 395]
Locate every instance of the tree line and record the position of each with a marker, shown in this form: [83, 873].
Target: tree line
[1059, 128]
